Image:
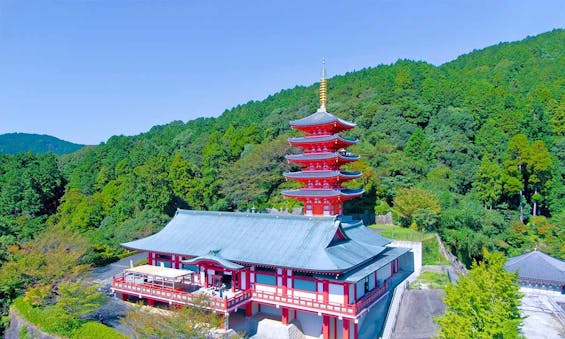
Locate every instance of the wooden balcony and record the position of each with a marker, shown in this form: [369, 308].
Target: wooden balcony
[315, 305]
[201, 297]
[209, 298]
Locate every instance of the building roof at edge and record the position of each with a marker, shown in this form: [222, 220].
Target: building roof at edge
[537, 265]
[299, 242]
[320, 118]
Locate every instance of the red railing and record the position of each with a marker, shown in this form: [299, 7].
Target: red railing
[180, 297]
[371, 297]
[224, 304]
[313, 303]
[271, 297]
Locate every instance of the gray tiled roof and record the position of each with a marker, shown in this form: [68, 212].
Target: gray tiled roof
[321, 156]
[388, 255]
[212, 257]
[323, 192]
[537, 265]
[298, 242]
[321, 138]
[322, 174]
[320, 118]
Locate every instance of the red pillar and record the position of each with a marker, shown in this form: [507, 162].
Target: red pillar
[346, 294]
[326, 326]
[150, 302]
[234, 280]
[284, 282]
[355, 331]
[285, 316]
[149, 258]
[124, 297]
[249, 309]
[326, 289]
[345, 332]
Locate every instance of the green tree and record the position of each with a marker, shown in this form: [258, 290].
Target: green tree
[539, 167]
[416, 207]
[488, 182]
[558, 119]
[77, 299]
[483, 304]
[418, 146]
[191, 321]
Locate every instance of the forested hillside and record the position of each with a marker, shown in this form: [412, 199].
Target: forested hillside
[474, 149]
[12, 143]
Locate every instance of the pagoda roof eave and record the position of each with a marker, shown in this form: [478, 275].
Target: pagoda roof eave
[322, 174]
[321, 156]
[324, 193]
[321, 139]
[320, 118]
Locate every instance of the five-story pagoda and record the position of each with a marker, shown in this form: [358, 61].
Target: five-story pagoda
[323, 155]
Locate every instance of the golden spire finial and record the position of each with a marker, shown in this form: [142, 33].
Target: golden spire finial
[323, 88]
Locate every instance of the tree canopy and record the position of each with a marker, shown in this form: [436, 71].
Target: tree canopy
[483, 304]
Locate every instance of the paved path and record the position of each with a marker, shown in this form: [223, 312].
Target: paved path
[115, 309]
[104, 274]
[417, 310]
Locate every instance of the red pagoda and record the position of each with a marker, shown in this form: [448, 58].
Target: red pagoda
[323, 155]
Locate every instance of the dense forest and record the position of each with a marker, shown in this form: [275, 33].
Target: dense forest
[12, 143]
[473, 149]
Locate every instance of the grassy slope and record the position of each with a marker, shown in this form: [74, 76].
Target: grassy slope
[50, 322]
[430, 248]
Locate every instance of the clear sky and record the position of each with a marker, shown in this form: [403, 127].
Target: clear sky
[86, 70]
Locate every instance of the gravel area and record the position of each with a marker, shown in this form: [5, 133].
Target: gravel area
[416, 315]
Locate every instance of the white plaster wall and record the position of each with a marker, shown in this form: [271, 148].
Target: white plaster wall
[265, 288]
[243, 280]
[360, 289]
[371, 281]
[530, 289]
[303, 294]
[416, 247]
[336, 294]
[383, 273]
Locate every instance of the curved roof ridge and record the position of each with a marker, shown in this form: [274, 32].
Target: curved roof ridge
[321, 117]
[322, 138]
[249, 214]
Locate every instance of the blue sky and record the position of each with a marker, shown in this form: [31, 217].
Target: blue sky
[86, 70]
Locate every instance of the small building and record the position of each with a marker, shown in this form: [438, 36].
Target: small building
[324, 270]
[539, 272]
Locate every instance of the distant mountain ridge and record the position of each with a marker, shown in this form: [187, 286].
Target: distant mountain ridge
[12, 143]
